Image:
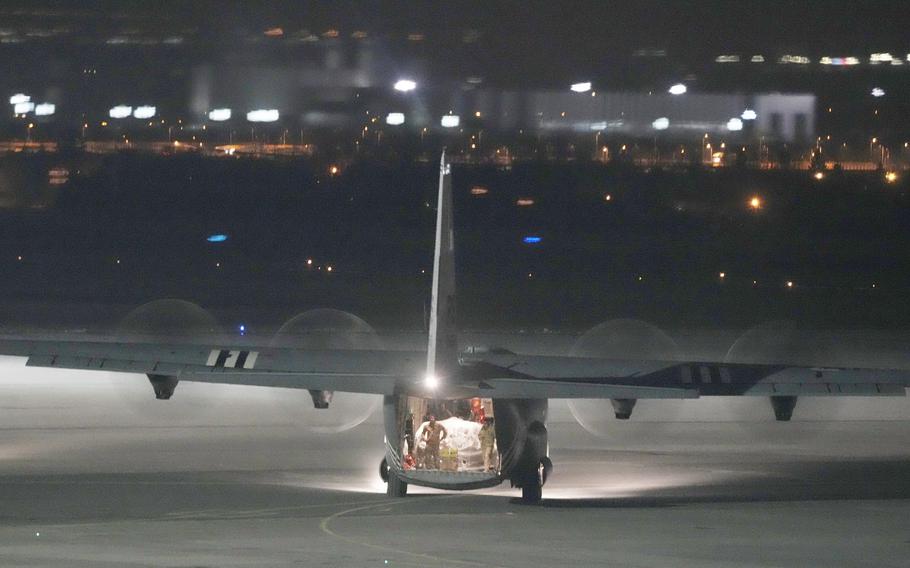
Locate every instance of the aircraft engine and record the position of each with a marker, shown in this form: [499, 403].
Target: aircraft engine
[782, 342]
[617, 339]
[166, 321]
[328, 329]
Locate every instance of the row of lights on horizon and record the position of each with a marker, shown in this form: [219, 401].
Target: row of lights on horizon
[22, 105]
[721, 276]
[330, 268]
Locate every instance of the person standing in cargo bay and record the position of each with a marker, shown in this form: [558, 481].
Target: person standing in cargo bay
[433, 434]
[487, 441]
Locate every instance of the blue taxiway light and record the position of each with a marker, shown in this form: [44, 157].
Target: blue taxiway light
[531, 240]
[219, 238]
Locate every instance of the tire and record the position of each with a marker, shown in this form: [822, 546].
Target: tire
[396, 487]
[531, 493]
[532, 490]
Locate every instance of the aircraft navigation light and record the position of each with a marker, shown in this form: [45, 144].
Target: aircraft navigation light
[217, 238]
[120, 111]
[581, 87]
[144, 112]
[262, 115]
[431, 381]
[405, 85]
[749, 114]
[45, 109]
[531, 240]
[878, 92]
[735, 124]
[678, 89]
[394, 118]
[450, 121]
[19, 98]
[220, 114]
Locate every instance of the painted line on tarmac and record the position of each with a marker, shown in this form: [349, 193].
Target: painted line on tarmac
[324, 526]
[256, 513]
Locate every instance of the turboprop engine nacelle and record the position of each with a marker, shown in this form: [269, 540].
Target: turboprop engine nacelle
[163, 385]
[622, 407]
[321, 398]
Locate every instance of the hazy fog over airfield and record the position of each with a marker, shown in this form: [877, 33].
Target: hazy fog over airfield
[660, 204]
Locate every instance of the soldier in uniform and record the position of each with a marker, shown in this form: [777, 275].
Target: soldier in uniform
[433, 434]
[487, 442]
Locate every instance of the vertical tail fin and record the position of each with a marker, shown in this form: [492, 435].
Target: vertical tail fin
[442, 345]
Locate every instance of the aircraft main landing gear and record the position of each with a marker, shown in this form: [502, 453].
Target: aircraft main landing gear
[532, 488]
[395, 486]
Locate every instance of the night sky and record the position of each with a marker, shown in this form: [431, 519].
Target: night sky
[537, 33]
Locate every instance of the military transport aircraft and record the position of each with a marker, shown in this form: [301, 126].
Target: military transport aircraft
[514, 388]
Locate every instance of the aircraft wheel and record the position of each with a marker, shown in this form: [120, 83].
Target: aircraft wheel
[531, 493]
[396, 487]
[532, 490]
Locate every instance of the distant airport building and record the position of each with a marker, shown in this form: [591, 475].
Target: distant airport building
[777, 117]
[335, 93]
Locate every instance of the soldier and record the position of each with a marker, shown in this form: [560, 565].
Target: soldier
[433, 434]
[487, 441]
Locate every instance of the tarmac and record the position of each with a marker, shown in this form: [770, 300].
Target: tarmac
[94, 472]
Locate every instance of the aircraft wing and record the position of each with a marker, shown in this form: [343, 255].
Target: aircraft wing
[505, 375]
[512, 375]
[361, 371]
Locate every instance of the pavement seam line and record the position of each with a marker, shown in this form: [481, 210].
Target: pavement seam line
[324, 527]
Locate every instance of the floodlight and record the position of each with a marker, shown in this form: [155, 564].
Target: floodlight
[262, 115]
[220, 114]
[120, 111]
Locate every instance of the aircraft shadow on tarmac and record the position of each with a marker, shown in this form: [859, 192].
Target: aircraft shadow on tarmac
[805, 481]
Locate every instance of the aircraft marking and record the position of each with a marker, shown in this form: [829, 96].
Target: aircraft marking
[232, 359]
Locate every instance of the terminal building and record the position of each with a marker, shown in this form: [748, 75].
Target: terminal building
[774, 116]
[341, 92]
